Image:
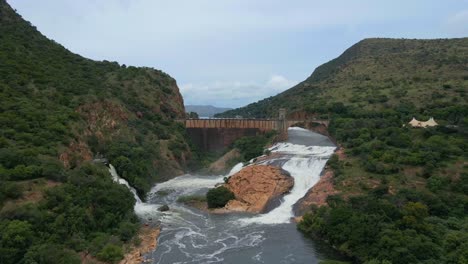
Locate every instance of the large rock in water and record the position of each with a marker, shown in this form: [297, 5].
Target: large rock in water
[256, 186]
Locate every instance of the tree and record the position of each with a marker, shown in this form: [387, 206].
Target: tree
[111, 253]
[218, 197]
[15, 238]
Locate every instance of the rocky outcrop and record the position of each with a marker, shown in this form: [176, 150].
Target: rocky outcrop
[75, 154]
[222, 164]
[256, 186]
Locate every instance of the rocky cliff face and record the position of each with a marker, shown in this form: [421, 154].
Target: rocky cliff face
[256, 186]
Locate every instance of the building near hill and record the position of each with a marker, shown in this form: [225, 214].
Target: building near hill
[429, 123]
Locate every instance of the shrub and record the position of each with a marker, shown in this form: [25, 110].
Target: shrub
[110, 253]
[218, 197]
[252, 147]
[191, 198]
[51, 254]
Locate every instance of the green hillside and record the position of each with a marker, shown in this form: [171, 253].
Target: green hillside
[59, 111]
[378, 74]
[403, 191]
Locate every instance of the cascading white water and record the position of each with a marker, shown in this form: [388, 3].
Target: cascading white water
[192, 182]
[194, 236]
[143, 210]
[186, 182]
[118, 179]
[305, 164]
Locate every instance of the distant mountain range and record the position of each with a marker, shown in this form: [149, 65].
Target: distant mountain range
[205, 110]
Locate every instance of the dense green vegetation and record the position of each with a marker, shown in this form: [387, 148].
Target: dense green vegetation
[252, 147]
[408, 227]
[218, 197]
[88, 212]
[58, 110]
[403, 190]
[425, 223]
[377, 74]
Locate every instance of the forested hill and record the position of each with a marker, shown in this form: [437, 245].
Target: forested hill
[59, 111]
[401, 192]
[377, 73]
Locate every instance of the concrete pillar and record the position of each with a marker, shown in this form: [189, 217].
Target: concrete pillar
[282, 120]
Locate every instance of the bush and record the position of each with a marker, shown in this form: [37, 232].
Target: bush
[252, 147]
[110, 253]
[10, 190]
[191, 198]
[218, 197]
[51, 254]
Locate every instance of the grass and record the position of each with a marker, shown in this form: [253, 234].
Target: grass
[186, 199]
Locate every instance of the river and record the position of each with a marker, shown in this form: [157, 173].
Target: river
[190, 235]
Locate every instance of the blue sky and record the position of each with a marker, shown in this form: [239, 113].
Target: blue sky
[234, 52]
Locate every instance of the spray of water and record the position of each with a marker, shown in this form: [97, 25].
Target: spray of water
[305, 164]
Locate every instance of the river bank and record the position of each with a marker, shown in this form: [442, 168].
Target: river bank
[148, 240]
[192, 234]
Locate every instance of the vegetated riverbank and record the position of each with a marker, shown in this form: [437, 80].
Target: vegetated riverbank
[403, 190]
[189, 234]
[258, 189]
[147, 241]
[58, 112]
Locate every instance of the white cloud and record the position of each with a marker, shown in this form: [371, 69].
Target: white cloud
[234, 93]
[458, 23]
[280, 82]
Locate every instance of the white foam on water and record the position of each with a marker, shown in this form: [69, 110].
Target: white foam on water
[294, 149]
[188, 182]
[305, 164]
[141, 209]
[299, 129]
[238, 167]
[118, 179]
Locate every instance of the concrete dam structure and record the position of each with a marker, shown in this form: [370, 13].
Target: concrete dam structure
[217, 134]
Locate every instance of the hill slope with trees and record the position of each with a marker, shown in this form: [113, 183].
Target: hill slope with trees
[59, 111]
[402, 190]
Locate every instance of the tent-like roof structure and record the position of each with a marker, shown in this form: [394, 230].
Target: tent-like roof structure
[429, 123]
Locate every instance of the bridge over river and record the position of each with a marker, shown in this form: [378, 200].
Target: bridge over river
[218, 133]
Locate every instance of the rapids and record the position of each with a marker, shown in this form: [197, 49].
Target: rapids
[193, 236]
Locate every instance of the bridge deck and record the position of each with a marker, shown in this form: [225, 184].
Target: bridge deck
[261, 124]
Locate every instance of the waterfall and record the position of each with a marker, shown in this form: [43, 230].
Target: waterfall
[190, 235]
[118, 179]
[238, 167]
[305, 164]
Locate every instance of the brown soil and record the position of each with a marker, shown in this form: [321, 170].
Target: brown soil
[149, 241]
